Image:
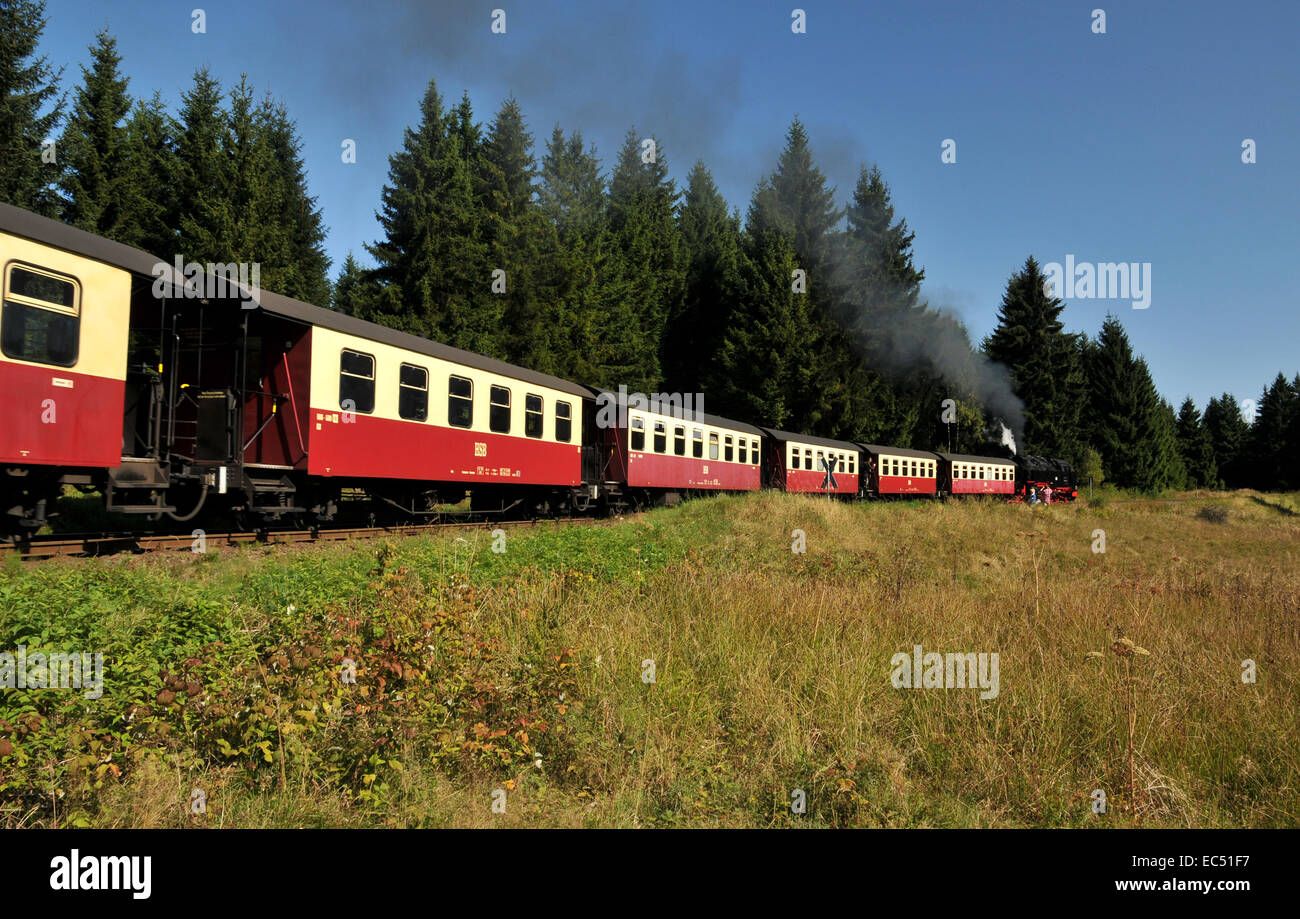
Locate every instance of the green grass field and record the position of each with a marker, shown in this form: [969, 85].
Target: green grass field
[681, 668]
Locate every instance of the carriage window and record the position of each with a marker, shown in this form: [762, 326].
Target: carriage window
[753, 451]
[661, 437]
[637, 440]
[728, 452]
[533, 416]
[356, 382]
[742, 447]
[679, 441]
[697, 443]
[413, 393]
[460, 402]
[713, 446]
[499, 409]
[563, 422]
[42, 317]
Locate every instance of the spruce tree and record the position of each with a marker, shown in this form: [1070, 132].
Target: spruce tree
[1270, 467]
[796, 201]
[878, 256]
[1166, 469]
[573, 252]
[295, 227]
[876, 299]
[1291, 451]
[1195, 448]
[511, 229]
[1228, 433]
[1044, 361]
[151, 172]
[203, 214]
[472, 311]
[712, 284]
[30, 109]
[250, 196]
[643, 280]
[765, 361]
[350, 288]
[93, 149]
[426, 262]
[1132, 428]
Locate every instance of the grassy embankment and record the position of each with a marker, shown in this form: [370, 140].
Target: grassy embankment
[527, 673]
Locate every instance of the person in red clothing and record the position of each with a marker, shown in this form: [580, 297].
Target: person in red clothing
[1047, 494]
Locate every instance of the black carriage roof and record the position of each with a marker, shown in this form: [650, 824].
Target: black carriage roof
[60, 235]
[898, 451]
[967, 458]
[810, 439]
[703, 418]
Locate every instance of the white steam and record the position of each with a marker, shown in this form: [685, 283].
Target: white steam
[1008, 439]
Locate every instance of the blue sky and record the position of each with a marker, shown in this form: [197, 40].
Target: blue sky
[1124, 146]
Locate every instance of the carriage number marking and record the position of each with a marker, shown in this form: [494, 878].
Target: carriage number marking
[480, 449]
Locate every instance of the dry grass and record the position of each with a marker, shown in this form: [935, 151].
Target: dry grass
[772, 674]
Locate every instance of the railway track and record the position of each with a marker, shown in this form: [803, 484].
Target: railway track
[63, 545]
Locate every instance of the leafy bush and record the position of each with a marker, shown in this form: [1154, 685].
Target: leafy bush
[274, 698]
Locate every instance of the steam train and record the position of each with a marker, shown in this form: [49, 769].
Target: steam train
[181, 392]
